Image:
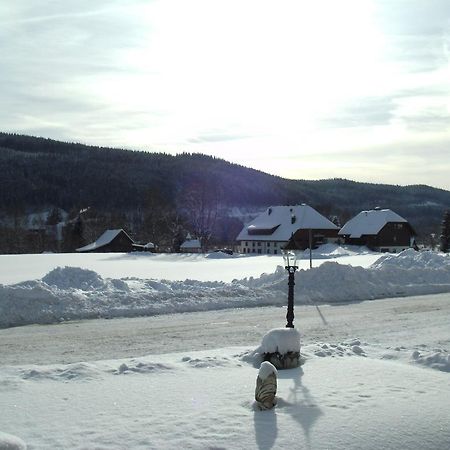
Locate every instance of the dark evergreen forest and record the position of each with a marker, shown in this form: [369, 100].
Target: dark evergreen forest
[160, 197]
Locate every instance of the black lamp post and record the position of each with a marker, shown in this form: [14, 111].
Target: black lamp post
[290, 260]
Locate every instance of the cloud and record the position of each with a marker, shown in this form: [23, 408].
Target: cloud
[362, 112]
[416, 32]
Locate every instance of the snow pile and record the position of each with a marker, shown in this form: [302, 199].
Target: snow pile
[439, 359]
[327, 251]
[411, 259]
[10, 442]
[71, 293]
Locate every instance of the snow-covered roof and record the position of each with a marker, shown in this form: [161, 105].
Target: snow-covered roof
[279, 223]
[103, 240]
[191, 243]
[370, 222]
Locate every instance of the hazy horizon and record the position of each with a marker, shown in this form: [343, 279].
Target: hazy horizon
[357, 89]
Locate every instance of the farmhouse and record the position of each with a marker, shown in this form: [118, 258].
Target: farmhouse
[272, 230]
[110, 241]
[379, 229]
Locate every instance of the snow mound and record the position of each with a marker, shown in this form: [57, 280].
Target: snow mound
[74, 278]
[219, 255]
[72, 372]
[10, 442]
[439, 360]
[326, 349]
[411, 259]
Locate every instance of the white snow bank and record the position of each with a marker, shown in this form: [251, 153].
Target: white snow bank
[411, 259]
[10, 442]
[71, 293]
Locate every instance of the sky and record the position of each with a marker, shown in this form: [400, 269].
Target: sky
[356, 89]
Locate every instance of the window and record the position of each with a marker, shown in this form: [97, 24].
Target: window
[275, 252]
[268, 251]
[268, 244]
[259, 244]
[246, 244]
[259, 250]
[274, 244]
[253, 244]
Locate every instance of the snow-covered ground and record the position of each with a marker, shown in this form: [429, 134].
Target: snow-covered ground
[171, 266]
[82, 288]
[376, 373]
[387, 387]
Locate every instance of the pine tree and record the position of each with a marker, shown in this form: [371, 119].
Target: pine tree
[445, 235]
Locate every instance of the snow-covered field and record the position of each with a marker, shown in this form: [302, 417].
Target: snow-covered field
[376, 373]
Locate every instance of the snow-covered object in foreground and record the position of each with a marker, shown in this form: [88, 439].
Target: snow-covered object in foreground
[280, 340]
[266, 369]
[10, 442]
[281, 346]
[266, 386]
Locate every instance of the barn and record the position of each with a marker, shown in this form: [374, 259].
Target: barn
[110, 241]
[381, 230]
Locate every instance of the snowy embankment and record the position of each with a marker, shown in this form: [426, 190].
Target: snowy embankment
[72, 293]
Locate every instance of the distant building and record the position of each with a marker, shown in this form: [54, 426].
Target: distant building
[271, 231]
[381, 230]
[148, 247]
[110, 241]
[191, 245]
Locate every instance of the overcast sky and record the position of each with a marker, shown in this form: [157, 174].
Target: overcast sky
[357, 89]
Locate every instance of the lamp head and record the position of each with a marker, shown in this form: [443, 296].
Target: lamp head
[290, 259]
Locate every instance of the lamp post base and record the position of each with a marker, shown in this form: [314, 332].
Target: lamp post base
[289, 360]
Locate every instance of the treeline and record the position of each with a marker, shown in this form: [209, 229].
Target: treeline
[159, 196]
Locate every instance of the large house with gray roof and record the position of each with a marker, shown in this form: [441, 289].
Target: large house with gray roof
[271, 231]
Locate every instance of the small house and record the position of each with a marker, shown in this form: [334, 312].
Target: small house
[271, 231]
[191, 245]
[381, 230]
[109, 241]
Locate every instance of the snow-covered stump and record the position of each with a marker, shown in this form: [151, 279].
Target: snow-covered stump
[281, 347]
[266, 386]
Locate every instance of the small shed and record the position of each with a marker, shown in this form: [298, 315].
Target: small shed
[148, 247]
[191, 245]
[110, 241]
[380, 230]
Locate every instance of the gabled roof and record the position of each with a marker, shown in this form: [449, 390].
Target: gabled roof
[191, 243]
[370, 222]
[107, 237]
[279, 223]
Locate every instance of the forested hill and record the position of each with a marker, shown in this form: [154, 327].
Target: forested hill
[38, 173]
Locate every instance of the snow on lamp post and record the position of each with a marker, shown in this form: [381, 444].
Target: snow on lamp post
[290, 264]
